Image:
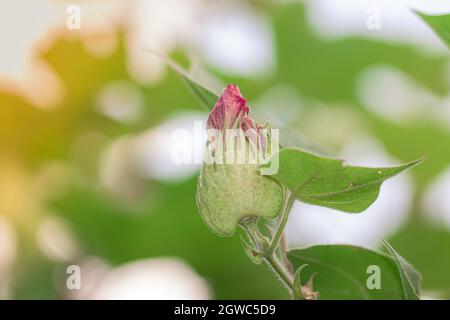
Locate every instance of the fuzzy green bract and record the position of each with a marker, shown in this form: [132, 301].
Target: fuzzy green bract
[227, 193]
[330, 182]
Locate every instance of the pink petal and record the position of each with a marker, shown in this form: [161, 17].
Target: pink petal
[229, 107]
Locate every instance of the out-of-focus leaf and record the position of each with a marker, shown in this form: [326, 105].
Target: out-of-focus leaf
[440, 25]
[410, 277]
[343, 272]
[330, 183]
[207, 97]
[329, 69]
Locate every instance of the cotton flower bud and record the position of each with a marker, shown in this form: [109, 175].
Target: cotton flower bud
[230, 185]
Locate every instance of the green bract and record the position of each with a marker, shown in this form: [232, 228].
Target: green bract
[230, 186]
[227, 193]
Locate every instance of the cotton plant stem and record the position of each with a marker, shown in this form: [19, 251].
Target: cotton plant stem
[284, 272]
[268, 249]
[271, 259]
[282, 224]
[284, 275]
[283, 252]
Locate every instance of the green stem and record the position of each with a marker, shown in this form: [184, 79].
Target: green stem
[282, 224]
[284, 275]
[270, 258]
[268, 249]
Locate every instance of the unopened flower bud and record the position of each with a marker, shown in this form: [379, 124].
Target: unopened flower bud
[229, 191]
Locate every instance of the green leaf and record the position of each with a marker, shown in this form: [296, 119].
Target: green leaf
[410, 277]
[440, 25]
[347, 272]
[331, 183]
[207, 98]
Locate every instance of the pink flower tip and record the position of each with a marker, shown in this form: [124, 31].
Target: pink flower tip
[229, 108]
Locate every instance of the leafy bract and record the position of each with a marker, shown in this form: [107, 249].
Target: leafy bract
[227, 193]
[330, 182]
